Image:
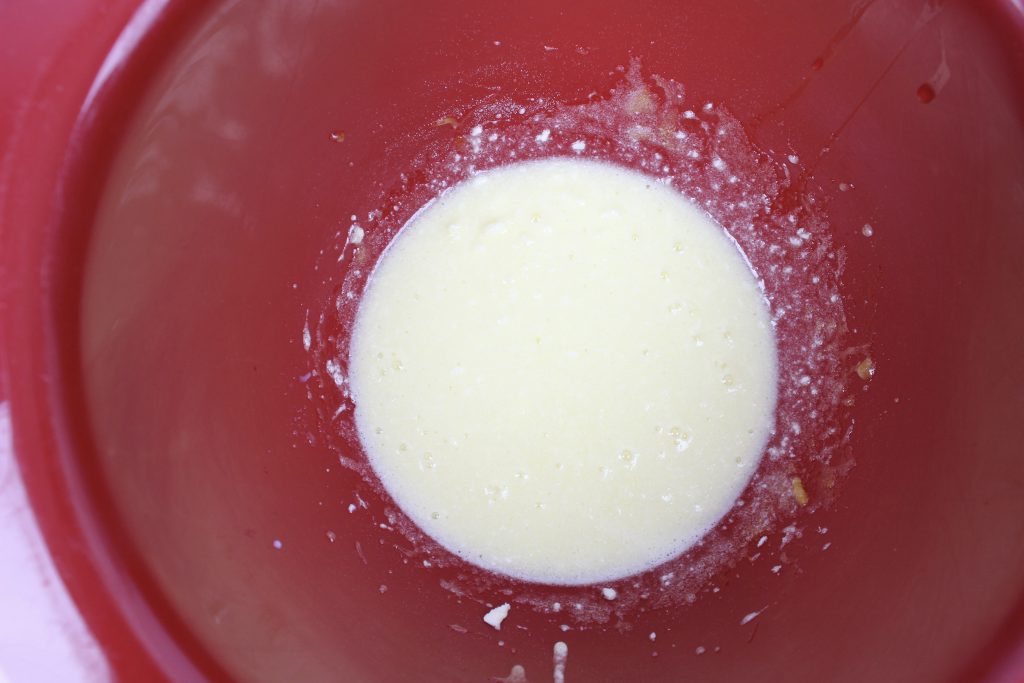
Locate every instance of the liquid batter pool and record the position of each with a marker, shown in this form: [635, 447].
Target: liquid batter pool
[563, 371]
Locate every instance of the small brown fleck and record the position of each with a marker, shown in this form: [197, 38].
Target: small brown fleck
[447, 121]
[866, 369]
[799, 493]
[640, 102]
[667, 132]
[338, 136]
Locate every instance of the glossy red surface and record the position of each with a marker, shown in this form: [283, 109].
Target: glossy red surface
[161, 223]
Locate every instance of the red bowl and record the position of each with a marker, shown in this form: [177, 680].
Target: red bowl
[177, 184]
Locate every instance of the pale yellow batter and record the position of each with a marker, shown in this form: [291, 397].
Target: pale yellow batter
[563, 371]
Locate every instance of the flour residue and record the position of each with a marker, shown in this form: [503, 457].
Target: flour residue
[560, 657]
[496, 616]
[649, 124]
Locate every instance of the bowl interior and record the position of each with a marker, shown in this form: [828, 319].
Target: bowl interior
[217, 187]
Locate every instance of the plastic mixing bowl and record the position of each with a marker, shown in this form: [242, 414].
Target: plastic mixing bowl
[172, 174]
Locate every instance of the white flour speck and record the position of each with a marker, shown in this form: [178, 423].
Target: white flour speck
[334, 370]
[561, 654]
[355, 234]
[750, 617]
[497, 615]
